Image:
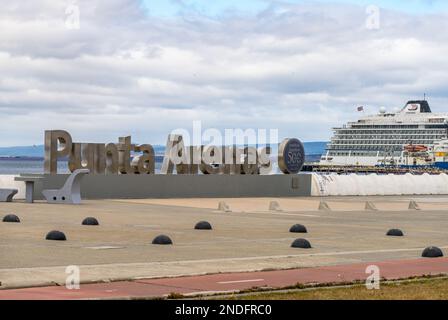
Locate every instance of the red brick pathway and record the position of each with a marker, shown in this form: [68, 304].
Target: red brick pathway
[232, 281]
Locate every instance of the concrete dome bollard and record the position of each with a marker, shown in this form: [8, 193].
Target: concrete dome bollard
[162, 240]
[203, 225]
[298, 228]
[432, 252]
[11, 218]
[301, 243]
[90, 221]
[56, 235]
[395, 233]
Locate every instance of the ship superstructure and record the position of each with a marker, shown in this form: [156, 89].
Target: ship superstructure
[406, 137]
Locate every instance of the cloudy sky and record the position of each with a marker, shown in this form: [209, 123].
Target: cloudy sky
[147, 67]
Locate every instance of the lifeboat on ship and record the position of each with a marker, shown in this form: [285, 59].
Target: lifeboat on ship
[413, 148]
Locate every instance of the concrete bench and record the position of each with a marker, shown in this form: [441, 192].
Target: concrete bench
[70, 193]
[29, 185]
[6, 195]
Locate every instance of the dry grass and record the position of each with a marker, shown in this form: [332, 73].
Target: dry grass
[423, 289]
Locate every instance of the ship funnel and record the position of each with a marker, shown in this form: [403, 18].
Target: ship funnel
[417, 106]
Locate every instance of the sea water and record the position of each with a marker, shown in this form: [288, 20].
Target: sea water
[13, 166]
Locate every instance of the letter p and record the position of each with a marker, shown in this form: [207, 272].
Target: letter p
[58, 143]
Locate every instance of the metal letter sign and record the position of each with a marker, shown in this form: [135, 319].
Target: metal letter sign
[125, 157]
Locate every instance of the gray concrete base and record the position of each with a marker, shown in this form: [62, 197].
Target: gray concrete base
[181, 186]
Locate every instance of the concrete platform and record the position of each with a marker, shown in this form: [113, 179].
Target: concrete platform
[251, 238]
[143, 186]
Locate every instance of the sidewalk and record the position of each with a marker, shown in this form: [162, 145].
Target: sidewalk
[232, 282]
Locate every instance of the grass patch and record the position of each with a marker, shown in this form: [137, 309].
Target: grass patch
[417, 289]
[174, 296]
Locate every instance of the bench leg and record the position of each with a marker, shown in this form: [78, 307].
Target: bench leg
[29, 191]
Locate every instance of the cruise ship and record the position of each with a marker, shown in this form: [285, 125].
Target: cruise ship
[413, 136]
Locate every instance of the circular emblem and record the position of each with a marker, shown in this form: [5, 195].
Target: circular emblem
[291, 156]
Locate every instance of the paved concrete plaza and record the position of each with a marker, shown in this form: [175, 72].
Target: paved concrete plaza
[248, 238]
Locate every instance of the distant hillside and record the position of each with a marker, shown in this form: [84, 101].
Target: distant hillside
[311, 148]
[30, 151]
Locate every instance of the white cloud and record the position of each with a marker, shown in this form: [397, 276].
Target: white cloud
[302, 69]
